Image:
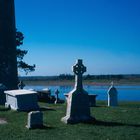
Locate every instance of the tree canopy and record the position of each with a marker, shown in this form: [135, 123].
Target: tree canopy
[22, 66]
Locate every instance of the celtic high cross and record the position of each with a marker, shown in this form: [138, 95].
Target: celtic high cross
[78, 70]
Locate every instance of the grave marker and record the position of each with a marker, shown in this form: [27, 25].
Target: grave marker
[35, 120]
[112, 96]
[78, 109]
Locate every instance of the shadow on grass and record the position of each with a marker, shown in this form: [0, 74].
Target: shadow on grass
[44, 127]
[100, 106]
[46, 109]
[39, 109]
[105, 123]
[4, 109]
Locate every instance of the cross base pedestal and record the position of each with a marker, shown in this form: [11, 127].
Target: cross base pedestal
[78, 109]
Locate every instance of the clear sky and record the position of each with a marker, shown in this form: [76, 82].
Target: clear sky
[104, 33]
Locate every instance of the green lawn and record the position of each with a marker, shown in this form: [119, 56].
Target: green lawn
[118, 123]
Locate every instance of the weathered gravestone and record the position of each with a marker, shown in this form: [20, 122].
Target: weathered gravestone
[35, 120]
[8, 62]
[78, 109]
[112, 96]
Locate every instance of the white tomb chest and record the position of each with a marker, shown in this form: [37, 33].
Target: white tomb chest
[21, 100]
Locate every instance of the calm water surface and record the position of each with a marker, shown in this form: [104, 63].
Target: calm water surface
[125, 93]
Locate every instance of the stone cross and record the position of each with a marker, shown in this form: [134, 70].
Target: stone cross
[78, 109]
[21, 85]
[112, 83]
[8, 62]
[57, 98]
[56, 93]
[78, 70]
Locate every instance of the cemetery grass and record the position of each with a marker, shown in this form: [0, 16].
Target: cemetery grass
[113, 123]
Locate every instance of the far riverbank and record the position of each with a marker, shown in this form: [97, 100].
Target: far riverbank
[85, 82]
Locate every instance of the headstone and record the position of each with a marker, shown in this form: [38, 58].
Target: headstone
[45, 96]
[2, 94]
[8, 61]
[21, 100]
[47, 91]
[112, 96]
[35, 120]
[92, 100]
[78, 109]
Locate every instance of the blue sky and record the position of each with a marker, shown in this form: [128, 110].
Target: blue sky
[104, 33]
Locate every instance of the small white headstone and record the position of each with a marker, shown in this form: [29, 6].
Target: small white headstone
[112, 96]
[35, 120]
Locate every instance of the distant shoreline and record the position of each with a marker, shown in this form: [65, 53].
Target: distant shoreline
[71, 82]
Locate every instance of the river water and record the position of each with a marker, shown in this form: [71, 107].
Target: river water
[125, 93]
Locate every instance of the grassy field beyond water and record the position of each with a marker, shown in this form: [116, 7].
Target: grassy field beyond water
[85, 82]
[113, 123]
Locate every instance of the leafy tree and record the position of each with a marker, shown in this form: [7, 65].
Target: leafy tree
[23, 66]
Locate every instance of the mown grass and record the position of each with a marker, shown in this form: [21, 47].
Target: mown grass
[113, 123]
